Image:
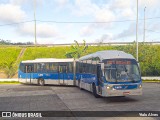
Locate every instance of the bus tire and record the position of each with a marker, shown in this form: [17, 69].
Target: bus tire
[95, 91]
[41, 82]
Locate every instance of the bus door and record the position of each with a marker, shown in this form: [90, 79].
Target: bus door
[62, 74]
[99, 77]
[29, 73]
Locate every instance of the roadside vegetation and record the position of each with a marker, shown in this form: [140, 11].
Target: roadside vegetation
[8, 57]
[9, 82]
[151, 81]
[149, 55]
[77, 50]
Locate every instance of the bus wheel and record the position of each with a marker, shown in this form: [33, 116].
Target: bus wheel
[40, 82]
[94, 91]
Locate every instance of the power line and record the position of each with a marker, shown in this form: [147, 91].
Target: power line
[50, 21]
[15, 23]
[83, 21]
[152, 18]
[96, 22]
[152, 31]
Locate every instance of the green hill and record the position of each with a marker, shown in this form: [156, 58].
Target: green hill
[8, 55]
[149, 55]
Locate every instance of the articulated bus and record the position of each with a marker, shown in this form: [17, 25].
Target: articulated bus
[47, 71]
[110, 73]
[104, 73]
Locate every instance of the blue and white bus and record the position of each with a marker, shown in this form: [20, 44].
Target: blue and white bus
[110, 73]
[47, 71]
[104, 73]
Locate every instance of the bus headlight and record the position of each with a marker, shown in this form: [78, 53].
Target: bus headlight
[108, 87]
[140, 86]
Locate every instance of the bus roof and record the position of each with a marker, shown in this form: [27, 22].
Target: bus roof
[46, 60]
[107, 54]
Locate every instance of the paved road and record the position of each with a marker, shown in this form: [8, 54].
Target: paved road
[62, 98]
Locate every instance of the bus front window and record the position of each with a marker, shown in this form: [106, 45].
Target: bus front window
[121, 71]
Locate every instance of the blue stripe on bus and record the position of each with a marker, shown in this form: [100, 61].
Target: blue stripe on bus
[125, 87]
[54, 76]
[85, 77]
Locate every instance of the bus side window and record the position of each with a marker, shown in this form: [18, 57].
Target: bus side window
[70, 67]
[47, 67]
[41, 67]
[84, 68]
[29, 68]
[63, 69]
[80, 67]
[53, 67]
[22, 67]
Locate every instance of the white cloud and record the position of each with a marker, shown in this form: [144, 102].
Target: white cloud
[61, 2]
[29, 4]
[124, 9]
[11, 13]
[149, 3]
[121, 4]
[130, 31]
[104, 15]
[128, 13]
[18, 2]
[84, 7]
[46, 30]
[86, 31]
[97, 13]
[43, 30]
[154, 27]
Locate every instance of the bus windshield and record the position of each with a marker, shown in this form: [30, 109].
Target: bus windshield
[121, 70]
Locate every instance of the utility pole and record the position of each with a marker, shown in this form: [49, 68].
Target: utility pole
[144, 24]
[35, 29]
[137, 32]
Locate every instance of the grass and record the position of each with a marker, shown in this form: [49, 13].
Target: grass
[8, 55]
[149, 56]
[9, 82]
[157, 81]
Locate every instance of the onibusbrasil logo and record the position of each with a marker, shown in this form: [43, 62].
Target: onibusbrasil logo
[21, 114]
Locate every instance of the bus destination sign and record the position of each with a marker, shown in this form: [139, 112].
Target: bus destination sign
[120, 62]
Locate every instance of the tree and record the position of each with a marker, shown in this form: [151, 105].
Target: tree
[9, 69]
[77, 50]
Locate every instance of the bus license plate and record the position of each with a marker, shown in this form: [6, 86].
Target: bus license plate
[126, 93]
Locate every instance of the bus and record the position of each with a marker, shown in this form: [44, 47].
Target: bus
[104, 73]
[110, 73]
[47, 71]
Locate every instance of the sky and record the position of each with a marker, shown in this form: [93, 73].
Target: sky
[63, 21]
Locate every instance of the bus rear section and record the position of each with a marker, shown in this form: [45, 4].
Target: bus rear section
[47, 71]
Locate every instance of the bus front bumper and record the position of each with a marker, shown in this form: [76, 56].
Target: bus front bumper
[111, 92]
